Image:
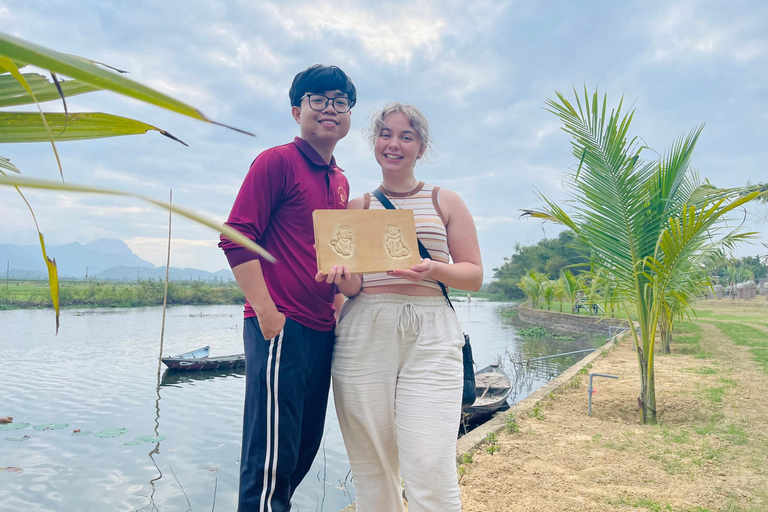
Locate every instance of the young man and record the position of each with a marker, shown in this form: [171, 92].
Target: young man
[289, 316]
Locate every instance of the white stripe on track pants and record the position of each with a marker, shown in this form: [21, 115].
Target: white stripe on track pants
[397, 382]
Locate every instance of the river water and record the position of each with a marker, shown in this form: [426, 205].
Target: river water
[100, 373]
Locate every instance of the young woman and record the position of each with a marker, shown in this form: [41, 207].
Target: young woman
[397, 368]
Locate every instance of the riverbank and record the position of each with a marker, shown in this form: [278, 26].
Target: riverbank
[144, 292]
[35, 294]
[708, 453]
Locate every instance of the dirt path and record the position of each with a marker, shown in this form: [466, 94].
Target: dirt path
[708, 453]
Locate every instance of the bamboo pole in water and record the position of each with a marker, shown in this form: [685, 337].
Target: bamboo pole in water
[165, 292]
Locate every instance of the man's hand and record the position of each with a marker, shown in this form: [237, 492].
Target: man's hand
[337, 274]
[271, 323]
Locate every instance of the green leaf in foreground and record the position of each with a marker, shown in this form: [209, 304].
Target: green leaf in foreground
[12, 93]
[87, 72]
[227, 231]
[53, 275]
[8, 166]
[135, 442]
[17, 439]
[18, 127]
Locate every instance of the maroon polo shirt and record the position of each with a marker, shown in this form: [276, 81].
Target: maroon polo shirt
[284, 185]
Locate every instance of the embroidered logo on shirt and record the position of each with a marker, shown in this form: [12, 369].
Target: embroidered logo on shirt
[342, 197]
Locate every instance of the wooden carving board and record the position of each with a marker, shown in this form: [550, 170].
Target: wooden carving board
[365, 240]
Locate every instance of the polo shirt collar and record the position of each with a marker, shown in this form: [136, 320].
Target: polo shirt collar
[310, 154]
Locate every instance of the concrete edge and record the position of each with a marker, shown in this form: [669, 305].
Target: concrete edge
[598, 319]
[498, 422]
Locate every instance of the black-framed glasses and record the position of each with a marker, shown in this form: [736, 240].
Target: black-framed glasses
[320, 101]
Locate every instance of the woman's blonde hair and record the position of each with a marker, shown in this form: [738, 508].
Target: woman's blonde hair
[414, 115]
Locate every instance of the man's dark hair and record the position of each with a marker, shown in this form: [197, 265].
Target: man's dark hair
[319, 78]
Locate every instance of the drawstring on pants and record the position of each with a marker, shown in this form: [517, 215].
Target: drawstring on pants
[408, 318]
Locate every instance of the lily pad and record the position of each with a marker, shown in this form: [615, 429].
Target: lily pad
[111, 432]
[51, 426]
[82, 433]
[13, 426]
[17, 439]
[150, 439]
[133, 443]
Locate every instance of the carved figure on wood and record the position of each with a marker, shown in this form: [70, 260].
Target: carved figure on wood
[342, 242]
[394, 242]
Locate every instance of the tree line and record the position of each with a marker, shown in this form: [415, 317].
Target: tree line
[145, 292]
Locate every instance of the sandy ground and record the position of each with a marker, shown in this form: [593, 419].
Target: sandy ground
[709, 451]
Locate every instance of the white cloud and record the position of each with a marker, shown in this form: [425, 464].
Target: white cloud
[482, 223]
[392, 34]
[682, 32]
[458, 78]
[472, 178]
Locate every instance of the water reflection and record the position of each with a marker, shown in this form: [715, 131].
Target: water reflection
[174, 378]
[155, 451]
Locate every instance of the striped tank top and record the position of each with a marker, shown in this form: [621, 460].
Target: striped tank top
[430, 229]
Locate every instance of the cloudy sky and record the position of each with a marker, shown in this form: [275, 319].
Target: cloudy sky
[480, 70]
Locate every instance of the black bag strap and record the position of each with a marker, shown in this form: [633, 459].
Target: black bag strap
[423, 252]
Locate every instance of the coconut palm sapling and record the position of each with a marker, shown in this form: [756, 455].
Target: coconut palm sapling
[643, 222]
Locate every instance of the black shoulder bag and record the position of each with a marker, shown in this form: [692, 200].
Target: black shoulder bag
[469, 395]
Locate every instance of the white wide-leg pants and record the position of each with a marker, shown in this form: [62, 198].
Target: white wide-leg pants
[397, 381]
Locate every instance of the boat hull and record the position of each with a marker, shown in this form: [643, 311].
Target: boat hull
[196, 360]
[209, 363]
[493, 390]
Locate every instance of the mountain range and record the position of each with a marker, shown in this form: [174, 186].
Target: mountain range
[103, 260]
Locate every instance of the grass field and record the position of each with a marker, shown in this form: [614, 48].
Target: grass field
[709, 452]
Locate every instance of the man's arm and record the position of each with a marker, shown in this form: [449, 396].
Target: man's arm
[251, 281]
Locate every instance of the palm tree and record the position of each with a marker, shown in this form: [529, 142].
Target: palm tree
[548, 293]
[559, 292]
[644, 222]
[532, 289]
[571, 287]
[532, 285]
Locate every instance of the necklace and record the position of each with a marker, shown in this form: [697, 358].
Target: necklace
[392, 198]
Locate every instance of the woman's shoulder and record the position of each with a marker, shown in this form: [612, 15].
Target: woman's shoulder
[444, 194]
[447, 203]
[358, 203]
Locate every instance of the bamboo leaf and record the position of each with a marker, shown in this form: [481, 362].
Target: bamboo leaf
[28, 127]
[9, 64]
[227, 231]
[12, 93]
[53, 280]
[17, 64]
[50, 263]
[87, 72]
[7, 165]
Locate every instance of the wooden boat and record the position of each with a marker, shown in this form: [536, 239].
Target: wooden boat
[199, 360]
[493, 388]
